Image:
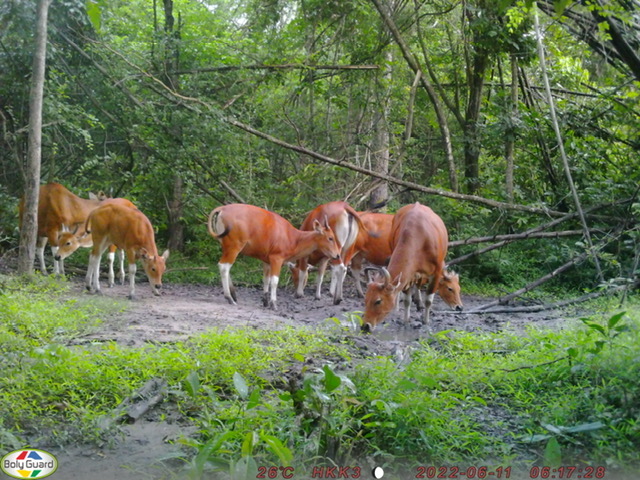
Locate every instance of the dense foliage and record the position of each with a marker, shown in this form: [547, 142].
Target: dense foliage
[298, 399]
[139, 97]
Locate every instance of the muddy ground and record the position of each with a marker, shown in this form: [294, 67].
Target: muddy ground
[186, 310]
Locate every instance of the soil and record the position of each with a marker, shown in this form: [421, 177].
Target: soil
[186, 310]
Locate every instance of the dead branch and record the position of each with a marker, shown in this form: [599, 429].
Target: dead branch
[554, 305]
[550, 362]
[397, 181]
[285, 66]
[137, 404]
[536, 283]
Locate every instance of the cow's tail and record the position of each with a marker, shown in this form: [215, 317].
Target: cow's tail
[213, 217]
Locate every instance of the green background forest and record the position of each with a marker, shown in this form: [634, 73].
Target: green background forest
[508, 118]
[184, 105]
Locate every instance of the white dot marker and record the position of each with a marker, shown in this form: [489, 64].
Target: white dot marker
[378, 473]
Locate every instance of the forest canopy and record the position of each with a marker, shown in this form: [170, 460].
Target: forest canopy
[183, 105]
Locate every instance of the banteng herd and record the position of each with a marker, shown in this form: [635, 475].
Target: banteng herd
[403, 252]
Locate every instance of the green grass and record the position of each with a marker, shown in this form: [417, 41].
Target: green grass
[300, 398]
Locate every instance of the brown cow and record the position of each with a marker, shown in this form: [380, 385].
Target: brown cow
[59, 209]
[419, 241]
[346, 225]
[264, 235]
[375, 249]
[69, 242]
[130, 230]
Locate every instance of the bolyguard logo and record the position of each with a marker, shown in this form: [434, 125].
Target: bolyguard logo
[29, 463]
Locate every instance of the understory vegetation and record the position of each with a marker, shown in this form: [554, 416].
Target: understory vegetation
[293, 398]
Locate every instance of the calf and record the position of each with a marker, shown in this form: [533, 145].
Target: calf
[346, 225]
[59, 209]
[130, 230]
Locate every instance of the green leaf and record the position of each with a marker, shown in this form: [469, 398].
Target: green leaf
[241, 385]
[95, 14]
[249, 443]
[552, 453]
[276, 446]
[615, 319]
[192, 383]
[331, 380]
[245, 469]
[254, 399]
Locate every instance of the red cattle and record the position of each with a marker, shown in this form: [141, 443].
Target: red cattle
[375, 249]
[258, 233]
[130, 230]
[419, 242]
[346, 225]
[69, 242]
[59, 209]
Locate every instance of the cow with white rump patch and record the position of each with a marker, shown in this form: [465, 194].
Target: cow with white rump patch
[259, 233]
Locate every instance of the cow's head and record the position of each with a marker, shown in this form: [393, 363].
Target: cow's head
[327, 242]
[154, 267]
[449, 289]
[380, 298]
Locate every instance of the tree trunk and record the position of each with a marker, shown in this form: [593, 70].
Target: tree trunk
[29, 223]
[175, 209]
[380, 194]
[472, 117]
[511, 131]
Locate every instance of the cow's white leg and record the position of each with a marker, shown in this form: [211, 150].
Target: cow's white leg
[322, 268]
[265, 278]
[121, 255]
[41, 244]
[273, 287]
[338, 272]
[56, 263]
[111, 256]
[225, 277]
[91, 279]
[303, 275]
[406, 300]
[428, 301]
[132, 280]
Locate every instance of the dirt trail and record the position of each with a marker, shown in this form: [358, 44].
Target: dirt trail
[186, 310]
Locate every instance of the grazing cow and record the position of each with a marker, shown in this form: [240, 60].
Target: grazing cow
[129, 230]
[69, 242]
[346, 225]
[419, 241]
[375, 249]
[59, 209]
[258, 233]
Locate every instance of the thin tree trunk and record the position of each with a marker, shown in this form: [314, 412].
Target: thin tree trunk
[511, 131]
[29, 222]
[380, 194]
[424, 81]
[563, 155]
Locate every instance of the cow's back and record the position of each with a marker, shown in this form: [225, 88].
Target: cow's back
[122, 226]
[419, 236]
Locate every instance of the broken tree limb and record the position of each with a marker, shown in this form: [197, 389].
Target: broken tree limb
[137, 404]
[387, 178]
[513, 239]
[549, 306]
[536, 283]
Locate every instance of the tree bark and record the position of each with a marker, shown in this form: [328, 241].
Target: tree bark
[443, 124]
[29, 221]
[511, 131]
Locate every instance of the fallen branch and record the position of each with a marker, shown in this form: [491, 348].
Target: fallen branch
[524, 367]
[549, 306]
[137, 404]
[538, 282]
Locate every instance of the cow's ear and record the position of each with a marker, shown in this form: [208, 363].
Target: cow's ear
[165, 254]
[144, 253]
